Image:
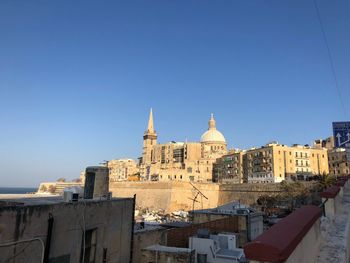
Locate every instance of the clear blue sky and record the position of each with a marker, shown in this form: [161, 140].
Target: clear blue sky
[77, 78]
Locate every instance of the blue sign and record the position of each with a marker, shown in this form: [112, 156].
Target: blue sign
[341, 133]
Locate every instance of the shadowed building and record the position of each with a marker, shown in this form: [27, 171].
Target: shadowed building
[339, 165]
[49, 229]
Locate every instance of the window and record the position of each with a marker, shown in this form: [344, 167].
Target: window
[88, 251]
[180, 176]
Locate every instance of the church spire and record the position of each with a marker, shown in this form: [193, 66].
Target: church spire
[150, 127]
[212, 125]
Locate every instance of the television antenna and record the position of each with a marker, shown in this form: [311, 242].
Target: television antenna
[198, 193]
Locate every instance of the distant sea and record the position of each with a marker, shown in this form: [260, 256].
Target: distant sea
[17, 190]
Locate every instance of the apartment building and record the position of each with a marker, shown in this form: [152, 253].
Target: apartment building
[121, 169]
[229, 168]
[272, 163]
[339, 165]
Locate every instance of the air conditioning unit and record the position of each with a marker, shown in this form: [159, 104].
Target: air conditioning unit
[227, 241]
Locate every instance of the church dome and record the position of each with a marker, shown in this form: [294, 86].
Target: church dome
[212, 134]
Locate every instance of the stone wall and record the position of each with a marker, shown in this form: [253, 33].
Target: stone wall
[145, 238]
[111, 221]
[172, 196]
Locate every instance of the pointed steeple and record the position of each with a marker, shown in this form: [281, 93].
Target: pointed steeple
[150, 127]
[212, 125]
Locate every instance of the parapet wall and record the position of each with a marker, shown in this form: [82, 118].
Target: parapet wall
[172, 196]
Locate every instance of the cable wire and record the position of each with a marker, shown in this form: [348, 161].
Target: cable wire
[17, 254]
[27, 240]
[331, 62]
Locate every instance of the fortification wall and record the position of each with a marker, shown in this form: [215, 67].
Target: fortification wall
[172, 196]
[245, 193]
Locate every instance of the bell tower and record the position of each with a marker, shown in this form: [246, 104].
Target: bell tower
[149, 140]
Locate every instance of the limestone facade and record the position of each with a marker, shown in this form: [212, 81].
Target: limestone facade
[181, 161]
[229, 168]
[122, 169]
[271, 163]
[339, 165]
[327, 143]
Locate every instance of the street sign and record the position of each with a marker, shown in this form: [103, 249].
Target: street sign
[341, 133]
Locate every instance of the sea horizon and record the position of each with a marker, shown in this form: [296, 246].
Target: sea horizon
[17, 190]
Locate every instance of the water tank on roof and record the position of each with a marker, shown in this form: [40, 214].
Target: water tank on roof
[96, 182]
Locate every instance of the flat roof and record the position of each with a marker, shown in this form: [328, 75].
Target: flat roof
[7, 200]
[168, 249]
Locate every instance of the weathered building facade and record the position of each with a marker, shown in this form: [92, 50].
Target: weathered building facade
[339, 165]
[84, 231]
[229, 168]
[122, 169]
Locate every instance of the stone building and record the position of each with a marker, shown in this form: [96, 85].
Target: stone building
[122, 169]
[47, 229]
[327, 143]
[272, 163]
[339, 165]
[229, 168]
[184, 161]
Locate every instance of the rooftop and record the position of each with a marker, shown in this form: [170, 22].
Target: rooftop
[233, 208]
[32, 200]
[168, 249]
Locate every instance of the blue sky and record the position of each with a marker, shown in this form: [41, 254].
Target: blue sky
[77, 78]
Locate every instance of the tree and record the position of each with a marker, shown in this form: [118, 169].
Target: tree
[61, 180]
[327, 180]
[52, 189]
[268, 203]
[77, 180]
[294, 193]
